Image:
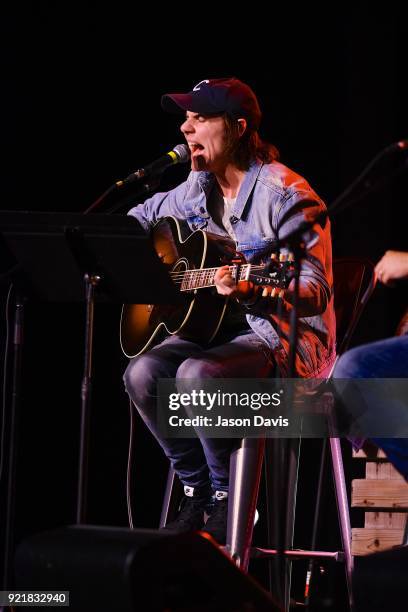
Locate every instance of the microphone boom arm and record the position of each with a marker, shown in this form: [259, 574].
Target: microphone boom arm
[179, 154]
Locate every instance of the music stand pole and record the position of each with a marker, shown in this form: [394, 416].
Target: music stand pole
[18, 340]
[91, 282]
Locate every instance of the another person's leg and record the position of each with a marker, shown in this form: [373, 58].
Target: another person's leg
[383, 359]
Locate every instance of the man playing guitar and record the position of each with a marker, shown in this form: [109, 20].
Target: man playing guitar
[238, 190]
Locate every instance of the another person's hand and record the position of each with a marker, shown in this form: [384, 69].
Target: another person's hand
[392, 266]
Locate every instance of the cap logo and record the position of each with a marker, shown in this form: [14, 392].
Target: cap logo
[197, 87]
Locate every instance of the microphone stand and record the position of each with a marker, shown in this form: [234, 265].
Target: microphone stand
[283, 450]
[145, 188]
[154, 170]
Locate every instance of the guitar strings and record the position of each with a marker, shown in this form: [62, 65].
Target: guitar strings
[208, 271]
[206, 275]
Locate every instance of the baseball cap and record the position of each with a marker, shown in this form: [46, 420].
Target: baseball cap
[215, 96]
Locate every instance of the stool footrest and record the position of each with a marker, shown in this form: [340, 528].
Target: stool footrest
[260, 553]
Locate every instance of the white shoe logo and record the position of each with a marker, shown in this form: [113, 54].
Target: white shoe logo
[197, 87]
[221, 494]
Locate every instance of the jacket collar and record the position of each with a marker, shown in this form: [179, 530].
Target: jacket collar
[206, 181]
[246, 189]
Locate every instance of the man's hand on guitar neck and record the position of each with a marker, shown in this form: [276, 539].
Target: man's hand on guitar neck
[244, 291]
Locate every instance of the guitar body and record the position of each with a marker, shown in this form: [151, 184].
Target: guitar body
[200, 315]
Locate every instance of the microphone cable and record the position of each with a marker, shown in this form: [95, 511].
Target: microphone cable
[129, 463]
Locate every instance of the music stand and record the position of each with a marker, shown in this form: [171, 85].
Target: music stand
[69, 257]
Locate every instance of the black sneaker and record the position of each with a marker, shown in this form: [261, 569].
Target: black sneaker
[191, 511]
[216, 524]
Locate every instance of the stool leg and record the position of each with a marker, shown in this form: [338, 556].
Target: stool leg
[281, 476]
[245, 474]
[294, 455]
[343, 508]
[270, 509]
[322, 472]
[172, 496]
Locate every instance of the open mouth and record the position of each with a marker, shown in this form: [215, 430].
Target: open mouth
[195, 147]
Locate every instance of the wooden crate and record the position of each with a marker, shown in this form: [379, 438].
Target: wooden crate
[384, 495]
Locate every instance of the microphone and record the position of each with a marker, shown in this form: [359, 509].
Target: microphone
[401, 145]
[180, 154]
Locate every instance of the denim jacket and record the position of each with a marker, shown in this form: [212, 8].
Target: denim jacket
[272, 201]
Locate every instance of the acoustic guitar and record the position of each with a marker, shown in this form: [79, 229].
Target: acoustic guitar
[192, 264]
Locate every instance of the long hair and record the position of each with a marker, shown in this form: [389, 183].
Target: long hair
[248, 147]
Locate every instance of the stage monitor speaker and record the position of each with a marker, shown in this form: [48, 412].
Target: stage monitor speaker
[380, 581]
[122, 570]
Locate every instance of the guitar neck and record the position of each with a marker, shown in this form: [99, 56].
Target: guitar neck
[199, 279]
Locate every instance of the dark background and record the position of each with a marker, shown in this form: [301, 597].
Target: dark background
[80, 108]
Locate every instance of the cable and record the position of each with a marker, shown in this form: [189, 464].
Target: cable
[6, 353]
[129, 464]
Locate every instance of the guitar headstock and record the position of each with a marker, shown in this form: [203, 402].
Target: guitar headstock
[275, 275]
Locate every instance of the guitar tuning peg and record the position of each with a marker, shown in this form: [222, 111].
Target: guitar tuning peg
[265, 292]
[273, 292]
[282, 257]
[281, 294]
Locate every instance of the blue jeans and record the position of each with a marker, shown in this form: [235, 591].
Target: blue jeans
[198, 461]
[383, 359]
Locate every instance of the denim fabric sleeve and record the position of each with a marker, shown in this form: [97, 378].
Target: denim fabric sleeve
[316, 268]
[161, 205]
